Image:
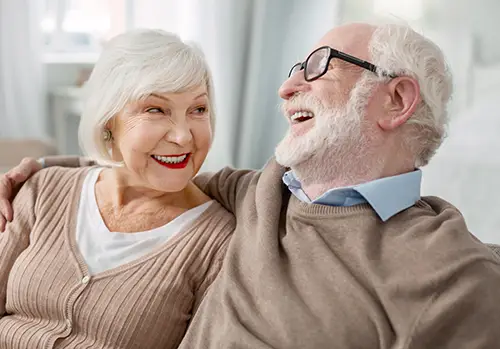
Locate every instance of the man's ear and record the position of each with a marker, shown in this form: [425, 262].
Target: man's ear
[404, 96]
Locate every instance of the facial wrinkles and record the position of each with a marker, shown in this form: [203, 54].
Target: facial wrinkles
[170, 113]
[141, 133]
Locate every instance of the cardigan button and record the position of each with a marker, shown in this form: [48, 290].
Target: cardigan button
[85, 280]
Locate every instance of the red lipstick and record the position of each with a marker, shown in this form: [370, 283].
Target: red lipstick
[176, 166]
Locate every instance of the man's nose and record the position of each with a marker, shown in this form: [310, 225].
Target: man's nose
[293, 85]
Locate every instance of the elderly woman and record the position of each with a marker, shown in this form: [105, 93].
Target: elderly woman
[120, 256]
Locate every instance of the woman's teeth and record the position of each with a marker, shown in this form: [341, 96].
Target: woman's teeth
[301, 116]
[170, 159]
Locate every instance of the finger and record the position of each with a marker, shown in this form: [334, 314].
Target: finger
[6, 210]
[2, 224]
[5, 187]
[24, 170]
[18, 175]
[29, 162]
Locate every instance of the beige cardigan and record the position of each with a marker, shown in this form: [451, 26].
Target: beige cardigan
[47, 299]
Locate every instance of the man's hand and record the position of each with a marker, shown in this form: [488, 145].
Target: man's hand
[10, 184]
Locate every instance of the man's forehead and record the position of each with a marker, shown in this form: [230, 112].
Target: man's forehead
[353, 39]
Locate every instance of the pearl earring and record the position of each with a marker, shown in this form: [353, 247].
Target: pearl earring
[106, 134]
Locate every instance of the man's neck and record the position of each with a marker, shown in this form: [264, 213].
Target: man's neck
[318, 178]
[317, 185]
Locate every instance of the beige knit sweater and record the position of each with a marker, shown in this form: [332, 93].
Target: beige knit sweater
[48, 301]
[300, 275]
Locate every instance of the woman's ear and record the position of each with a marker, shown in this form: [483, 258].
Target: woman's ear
[110, 124]
[113, 148]
[404, 97]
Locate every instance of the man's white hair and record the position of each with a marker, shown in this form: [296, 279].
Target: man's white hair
[399, 50]
[132, 66]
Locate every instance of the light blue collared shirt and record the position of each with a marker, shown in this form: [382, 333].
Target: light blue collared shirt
[387, 196]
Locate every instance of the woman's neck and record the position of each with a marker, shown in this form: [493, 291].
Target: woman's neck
[122, 200]
[122, 189]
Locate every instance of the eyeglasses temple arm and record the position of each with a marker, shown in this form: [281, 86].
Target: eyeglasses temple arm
[363, 64]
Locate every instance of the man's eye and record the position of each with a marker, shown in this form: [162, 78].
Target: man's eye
[154, 110]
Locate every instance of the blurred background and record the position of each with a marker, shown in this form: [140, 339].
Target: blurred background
[48, 49]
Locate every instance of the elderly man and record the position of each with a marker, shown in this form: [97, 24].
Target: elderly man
[347, 254]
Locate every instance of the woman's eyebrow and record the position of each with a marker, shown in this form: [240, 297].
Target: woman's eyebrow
[204, 94]
[160, 97]
[201, 95]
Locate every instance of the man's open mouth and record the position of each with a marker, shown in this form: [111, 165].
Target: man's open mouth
[301, 116]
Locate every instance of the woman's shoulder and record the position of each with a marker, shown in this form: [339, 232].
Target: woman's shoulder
[47, 187]
[219, 212]
[216, 219]
[54, 172]
[56, 180]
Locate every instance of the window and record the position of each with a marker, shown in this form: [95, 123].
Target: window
[81, 26]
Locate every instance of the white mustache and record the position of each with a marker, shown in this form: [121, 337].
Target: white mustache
[309, 102]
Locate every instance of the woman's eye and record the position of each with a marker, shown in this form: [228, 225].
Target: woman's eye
[154, 110]
[200, 110]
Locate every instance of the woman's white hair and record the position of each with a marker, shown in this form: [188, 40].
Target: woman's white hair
[399, 50]
[132, 66]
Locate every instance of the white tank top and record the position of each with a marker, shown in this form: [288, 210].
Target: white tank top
[103, 249]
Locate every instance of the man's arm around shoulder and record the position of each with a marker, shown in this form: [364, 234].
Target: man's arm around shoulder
[66, 161]
[228, 186]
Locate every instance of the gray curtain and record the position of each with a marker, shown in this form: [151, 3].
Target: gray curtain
[251, 45]
[22, 92]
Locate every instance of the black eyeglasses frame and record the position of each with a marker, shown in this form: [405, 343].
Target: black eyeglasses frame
[333, 53]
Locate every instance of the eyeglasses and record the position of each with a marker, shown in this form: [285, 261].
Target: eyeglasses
[316, 65]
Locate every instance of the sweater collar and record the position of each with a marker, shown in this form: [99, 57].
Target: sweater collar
[387, 196]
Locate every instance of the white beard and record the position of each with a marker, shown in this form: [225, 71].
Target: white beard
[335, 134]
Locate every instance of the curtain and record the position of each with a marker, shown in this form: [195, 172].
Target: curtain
[22, 95]
[250, 46]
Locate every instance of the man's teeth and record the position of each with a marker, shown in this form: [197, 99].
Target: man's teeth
[301, 114]
[170, 159]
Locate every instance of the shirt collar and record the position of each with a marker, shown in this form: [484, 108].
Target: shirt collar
[391, 195]
[387, 196]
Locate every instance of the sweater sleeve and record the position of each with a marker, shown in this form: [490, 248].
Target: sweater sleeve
[465, 315]
[228, 186]
[212, 273]
[15, 239]
[67, 161]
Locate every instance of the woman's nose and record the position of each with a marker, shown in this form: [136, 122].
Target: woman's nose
[180, 134]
